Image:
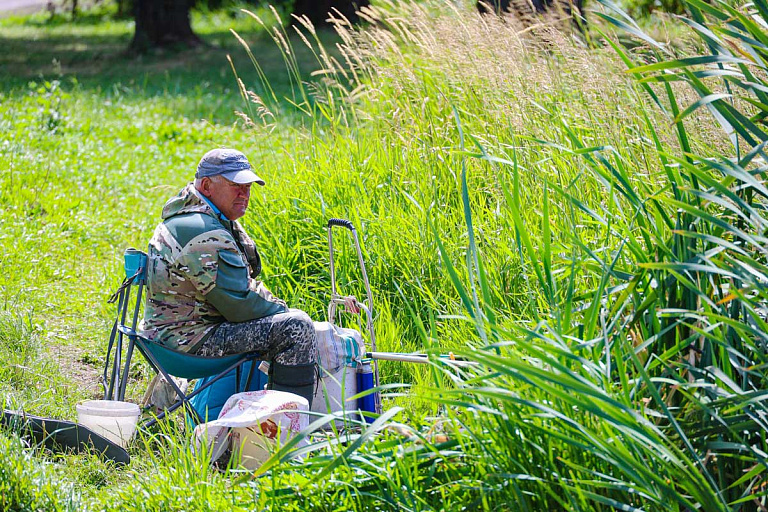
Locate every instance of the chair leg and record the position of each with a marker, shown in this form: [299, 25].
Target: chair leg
[184, 399]
[181, 402]
[115, 381]
[109, 368]
[108, 378]
[124, 381]
[250, 376]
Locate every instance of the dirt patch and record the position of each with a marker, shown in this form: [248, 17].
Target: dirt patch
[78, 367]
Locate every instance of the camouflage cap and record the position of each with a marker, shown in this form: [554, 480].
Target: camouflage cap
[230, 163]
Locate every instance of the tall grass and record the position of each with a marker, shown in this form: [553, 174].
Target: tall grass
[637, 342]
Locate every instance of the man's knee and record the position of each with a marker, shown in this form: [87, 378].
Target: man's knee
[297, 331]
[301, 317]
[301, 326]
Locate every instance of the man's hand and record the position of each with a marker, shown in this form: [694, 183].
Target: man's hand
[351, 305]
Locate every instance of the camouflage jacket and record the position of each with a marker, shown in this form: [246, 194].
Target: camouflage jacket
[201, 272]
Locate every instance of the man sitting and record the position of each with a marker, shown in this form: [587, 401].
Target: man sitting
[203, 295]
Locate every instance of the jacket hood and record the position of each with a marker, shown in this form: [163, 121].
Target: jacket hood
[187, 201]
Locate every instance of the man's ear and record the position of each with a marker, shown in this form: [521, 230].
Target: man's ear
[205, 186]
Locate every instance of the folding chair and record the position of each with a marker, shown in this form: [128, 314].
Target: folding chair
[165, 361]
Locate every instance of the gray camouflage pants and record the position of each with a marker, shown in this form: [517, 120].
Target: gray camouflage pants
[285, 338]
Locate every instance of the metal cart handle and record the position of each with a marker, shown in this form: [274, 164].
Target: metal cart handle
[334, 293]
[338, 299]
[342, 223]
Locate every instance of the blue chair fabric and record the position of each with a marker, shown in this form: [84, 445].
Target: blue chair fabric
[213, 395]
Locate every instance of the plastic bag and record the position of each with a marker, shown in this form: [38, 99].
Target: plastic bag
[338, 347]
[160, 394]
[271, 417]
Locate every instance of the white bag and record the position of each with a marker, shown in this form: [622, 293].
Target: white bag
[338, 347]
[259, 420]
[340, 351]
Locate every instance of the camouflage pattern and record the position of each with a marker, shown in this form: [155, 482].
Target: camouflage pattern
[285, 338]
[182, 270]
[249, 249]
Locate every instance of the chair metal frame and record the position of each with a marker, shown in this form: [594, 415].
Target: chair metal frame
[159, 357]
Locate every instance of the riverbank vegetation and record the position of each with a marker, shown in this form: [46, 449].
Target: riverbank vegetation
[594, 238]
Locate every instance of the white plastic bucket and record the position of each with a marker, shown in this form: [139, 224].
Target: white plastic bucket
[112, 419]
[253, 447]
[332, 391]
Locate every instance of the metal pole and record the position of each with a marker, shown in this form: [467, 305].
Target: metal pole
[418, 358]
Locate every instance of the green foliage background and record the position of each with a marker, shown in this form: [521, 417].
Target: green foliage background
[523, 201]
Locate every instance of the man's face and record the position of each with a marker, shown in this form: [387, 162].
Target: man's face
[229, 197]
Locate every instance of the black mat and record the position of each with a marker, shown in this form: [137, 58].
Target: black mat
[58, 435]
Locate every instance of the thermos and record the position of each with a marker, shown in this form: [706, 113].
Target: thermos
[366, 403]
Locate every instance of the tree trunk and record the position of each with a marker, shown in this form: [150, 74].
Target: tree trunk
[125, 8]
[162, 23]
[497, 7]
[523, 10]
[317, 10]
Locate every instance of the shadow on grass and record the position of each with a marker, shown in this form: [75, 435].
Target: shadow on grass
[59, 19]
[99, 63]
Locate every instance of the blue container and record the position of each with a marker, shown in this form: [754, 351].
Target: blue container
[135, 260]
[209, 402]
[364, 383]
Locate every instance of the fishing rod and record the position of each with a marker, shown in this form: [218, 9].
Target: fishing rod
[419, 358]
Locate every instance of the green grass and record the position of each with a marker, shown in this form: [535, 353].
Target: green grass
[531, 209]
[28, 485]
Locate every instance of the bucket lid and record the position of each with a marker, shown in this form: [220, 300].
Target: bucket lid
[110, 408]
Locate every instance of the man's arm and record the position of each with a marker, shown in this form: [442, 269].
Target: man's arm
[261, 289]
[232, 296]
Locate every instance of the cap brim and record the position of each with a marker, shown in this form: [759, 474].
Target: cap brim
[243, 176]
